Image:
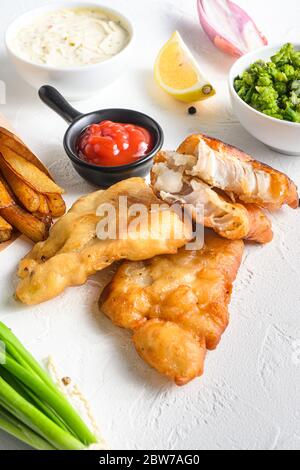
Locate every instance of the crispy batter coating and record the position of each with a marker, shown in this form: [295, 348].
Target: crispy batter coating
[173, 351]
[177, 305]
[73, 252]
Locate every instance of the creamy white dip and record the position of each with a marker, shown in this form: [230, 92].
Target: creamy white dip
[71, 37]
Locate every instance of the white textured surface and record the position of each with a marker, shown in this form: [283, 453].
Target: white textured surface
[249, 397]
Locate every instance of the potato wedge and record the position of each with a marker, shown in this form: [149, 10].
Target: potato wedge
[43, 206]
[5, 230]
[47, 219]
[25, 194]
[57, 205]
[26, 223]
[6, 198]
[10, 140]
[29, 173]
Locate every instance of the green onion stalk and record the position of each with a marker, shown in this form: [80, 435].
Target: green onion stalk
[32, 408]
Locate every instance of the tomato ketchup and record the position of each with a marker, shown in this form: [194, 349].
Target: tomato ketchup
[112, 143]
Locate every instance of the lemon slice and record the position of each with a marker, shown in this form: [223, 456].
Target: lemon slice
[177, 72]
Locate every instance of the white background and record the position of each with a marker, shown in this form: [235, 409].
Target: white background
[249, 397]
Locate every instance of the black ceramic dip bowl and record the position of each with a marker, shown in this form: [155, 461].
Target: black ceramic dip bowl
[102, 176]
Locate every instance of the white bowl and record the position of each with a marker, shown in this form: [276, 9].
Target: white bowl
[77, 82]
[281, 136]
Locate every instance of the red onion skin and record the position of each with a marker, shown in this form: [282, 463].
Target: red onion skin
[220, 41]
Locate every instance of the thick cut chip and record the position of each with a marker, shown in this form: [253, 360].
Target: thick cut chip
[43, 206]
[5, 230]
[29, 173]
[10, 140]
[25, 194]
[23, 221]
[56, 205]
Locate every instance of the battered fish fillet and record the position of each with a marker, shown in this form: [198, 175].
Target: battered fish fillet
[172, 183]
[73, 252]
[228, 168]
[177, 306]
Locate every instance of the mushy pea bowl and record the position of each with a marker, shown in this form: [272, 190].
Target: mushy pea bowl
[265, 93]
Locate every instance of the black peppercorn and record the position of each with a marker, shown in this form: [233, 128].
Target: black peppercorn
[192, 110]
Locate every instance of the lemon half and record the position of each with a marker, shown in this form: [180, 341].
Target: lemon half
[177, 72]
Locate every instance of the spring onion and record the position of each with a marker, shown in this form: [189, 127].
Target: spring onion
[32, 408]
[14, 427]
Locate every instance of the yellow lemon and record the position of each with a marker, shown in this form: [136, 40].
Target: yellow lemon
[178, 73]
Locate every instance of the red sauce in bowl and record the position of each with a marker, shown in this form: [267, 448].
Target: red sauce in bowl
[112, 143]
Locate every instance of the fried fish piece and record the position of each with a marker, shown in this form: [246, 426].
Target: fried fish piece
[171, 350]
[75, 250]
[225, 167]
[171, 182]
[176, 305]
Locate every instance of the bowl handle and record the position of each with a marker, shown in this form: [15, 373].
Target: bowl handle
[52, 98]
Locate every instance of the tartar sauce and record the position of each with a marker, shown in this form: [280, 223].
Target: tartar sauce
[71, 37]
